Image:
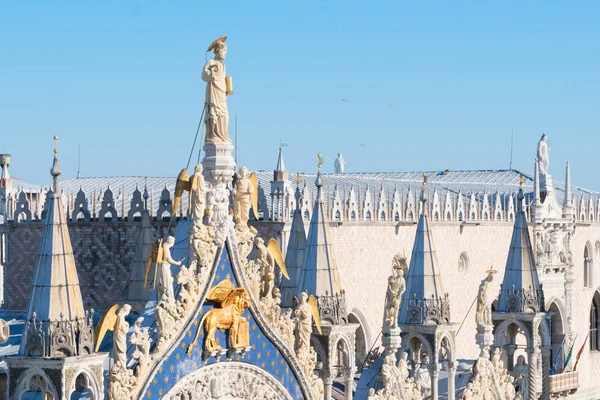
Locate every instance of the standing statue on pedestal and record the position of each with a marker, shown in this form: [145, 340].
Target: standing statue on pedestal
[339, 164]
[218, 86]
[395, 289]
[120, 335]
[242, 192]
[198, 195]
[306, 310]
[543, 155]
[165, 277]
[483, 315]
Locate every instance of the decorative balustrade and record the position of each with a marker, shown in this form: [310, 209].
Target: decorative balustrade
[423, 311]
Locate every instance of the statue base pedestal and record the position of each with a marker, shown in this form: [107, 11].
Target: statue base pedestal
[485, 339]
[391, 339]
[218, 163]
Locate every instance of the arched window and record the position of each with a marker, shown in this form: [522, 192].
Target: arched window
[382, 216]
[397, 217]
[306, 214]
[463, 263]
[594, 322]
[588, 263]
[368, 216]
[353, 216]
[338, 217]
[460, 216]
[3, 246]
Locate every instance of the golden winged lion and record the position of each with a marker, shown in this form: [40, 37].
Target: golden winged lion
[233, 302]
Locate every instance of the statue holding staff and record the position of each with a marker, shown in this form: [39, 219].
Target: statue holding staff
[218, 87]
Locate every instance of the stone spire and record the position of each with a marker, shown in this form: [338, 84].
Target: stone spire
[294, 255]
[280, 173]
[137, 291]
[567, 201]
[319, 275]
[5, 179]
[521, 289]
[424, 301]
[57, 325]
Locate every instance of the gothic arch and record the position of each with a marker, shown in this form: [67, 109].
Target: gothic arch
[415, 342]
[595, 321]
[557, 329]
[588, 265]
[26, 383]
[86, 379]
[363, 335]
[448, 344]
[501, 332]
[343, 352]
[214, 379]
[463, 263]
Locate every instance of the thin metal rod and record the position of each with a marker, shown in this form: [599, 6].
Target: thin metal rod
[196, 137]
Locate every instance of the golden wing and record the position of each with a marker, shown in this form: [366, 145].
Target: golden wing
[220, 291]
[183, 184]
[155, 257]
[254, 195]
[314, 309]
[276, 252]
[106, 324]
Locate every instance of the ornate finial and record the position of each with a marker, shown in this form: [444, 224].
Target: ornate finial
[298, 179]
[55, 171]
[320, 161]
[491, 271]
[522, 180]
[424, 179]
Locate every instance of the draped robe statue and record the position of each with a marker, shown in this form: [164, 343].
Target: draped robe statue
[120, 335]
[216, 113]
[198, 194]
[303, 317]
[165, 277]
[241, 193]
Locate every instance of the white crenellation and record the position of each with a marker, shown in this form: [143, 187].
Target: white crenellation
[382, 206]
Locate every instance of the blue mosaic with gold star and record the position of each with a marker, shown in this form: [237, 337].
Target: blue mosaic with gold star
[263, 354]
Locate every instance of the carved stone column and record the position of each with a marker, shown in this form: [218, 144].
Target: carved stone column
[434, 372]
[327, 384]
[349, 382]
[510, 353]
[532, 358]
[546, 373]
[569, 278]
[451, 370]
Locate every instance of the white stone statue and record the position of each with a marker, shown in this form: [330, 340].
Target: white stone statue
[266, 263]
[422, 377]
[199, 189]
[403, 366]
[303, 318]
[165, 277]
[543, 156]
[483, 315]
[216, 113]
[242, 190]
[120, 335]
[521, 367]
[218, 199]
[141, 339]
[395, 289]
[339, 164]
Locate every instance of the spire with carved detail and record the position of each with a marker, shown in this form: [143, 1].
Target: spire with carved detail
[424, 301]
[521, 289]
[57, 324]
[319, 275]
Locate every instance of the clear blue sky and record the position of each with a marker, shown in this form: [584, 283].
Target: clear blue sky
[121, 78]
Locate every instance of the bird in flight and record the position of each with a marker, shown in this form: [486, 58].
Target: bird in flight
[343, 100]
[362, 144]
[392, 105]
